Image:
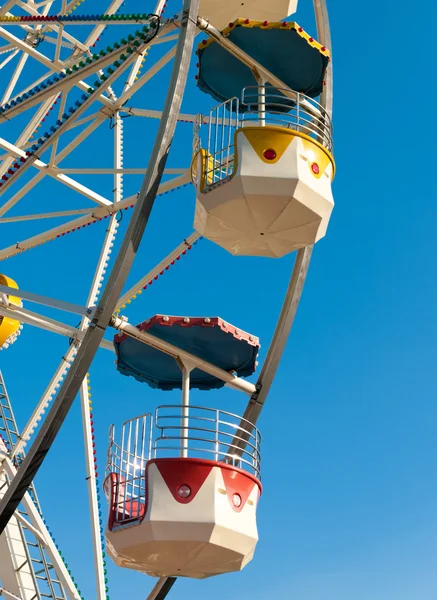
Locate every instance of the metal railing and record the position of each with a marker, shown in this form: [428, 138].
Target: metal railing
[222, 123]
[203, 433]
[208, 433]
[126, 468]
[259, 106]
[270, 106]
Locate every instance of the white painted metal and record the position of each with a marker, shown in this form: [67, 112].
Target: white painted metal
[186, 371]
[139, 61]
[37, 522]
[42, 322]
[14, 78]
[100, 210]
[201, 539]
[220, 14]
[84, 394]
[92, 492]
[16, 574]
[268, 209]
[57, 25]
[12, 149]
[45, 301]
[97, 213]
[189, 241]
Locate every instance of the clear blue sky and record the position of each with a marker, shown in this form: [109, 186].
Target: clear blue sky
[349, 456]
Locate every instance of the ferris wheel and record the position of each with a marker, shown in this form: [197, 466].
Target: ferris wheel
[182, 481]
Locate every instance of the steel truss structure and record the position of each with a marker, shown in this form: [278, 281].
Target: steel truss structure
[19, 506]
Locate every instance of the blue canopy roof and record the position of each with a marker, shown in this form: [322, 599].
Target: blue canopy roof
[282, 48]
[210, 339]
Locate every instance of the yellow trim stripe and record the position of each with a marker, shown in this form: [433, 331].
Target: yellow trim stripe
[293, 133]
[276, 25]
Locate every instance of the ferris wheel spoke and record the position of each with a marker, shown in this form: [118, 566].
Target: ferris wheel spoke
[150, 276]
[49, 215]
[147, 76]
[55, 41]
[99, 29]
[21, 45]
[40, 321]
[92, 484]
[54, 27]
[137, 65]
[27, 132]
[99, 118]
[102, 264]
[123, 263]
[88, 99]
[47, 170]
[76, 334]
[13, 81]
[77, 78]
[8, 58]
[162, 588]
[21, 192]
[7, 6]
[61, 111]
[92, 216]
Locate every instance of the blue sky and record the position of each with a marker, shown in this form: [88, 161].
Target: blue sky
[349, 455]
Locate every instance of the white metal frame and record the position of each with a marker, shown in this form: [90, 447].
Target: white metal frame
[103, 207]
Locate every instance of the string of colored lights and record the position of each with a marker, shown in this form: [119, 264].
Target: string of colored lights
[92, 221]
[67, 364]
[166, 267]
[47, 115]
[48, 138]
[68, 17]
[95, 478]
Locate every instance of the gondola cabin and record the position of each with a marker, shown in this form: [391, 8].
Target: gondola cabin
[10, 328]
[183, 482]
[263, 165]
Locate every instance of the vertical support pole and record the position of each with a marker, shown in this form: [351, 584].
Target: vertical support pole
[324, 36]
[185, 409]
[229, 152]
[261, 101]
[222, 143]
[217, 417]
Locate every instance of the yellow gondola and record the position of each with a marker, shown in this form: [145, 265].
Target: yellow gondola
[9, 328]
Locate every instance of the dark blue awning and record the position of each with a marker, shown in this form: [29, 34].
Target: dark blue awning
[282, 48]
[210, 339]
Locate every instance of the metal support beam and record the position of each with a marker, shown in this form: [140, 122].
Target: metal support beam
[277, 347]
[189, 241]
[23, 315]
[93, 214]
[324, 35]
[300, 270]
[162, 588]
[46, 301]
[119, 274]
